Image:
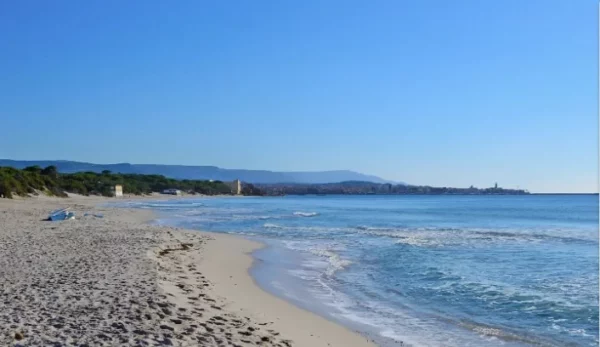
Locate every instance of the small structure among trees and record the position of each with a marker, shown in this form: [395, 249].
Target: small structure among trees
[236, 187]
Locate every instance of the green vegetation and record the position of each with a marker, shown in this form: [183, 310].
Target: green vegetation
[250, 189]
[33, 180]
[28, 181]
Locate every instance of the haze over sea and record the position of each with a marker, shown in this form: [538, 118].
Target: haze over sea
[426, 270]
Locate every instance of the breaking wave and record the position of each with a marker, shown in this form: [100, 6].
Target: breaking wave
[306, 214]
[432, 236]
[336, 263]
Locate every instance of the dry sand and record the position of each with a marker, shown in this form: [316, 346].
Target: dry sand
[116, 281]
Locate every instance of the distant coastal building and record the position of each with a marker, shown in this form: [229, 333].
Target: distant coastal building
[118, 191]
[172, 191]
[236, 187]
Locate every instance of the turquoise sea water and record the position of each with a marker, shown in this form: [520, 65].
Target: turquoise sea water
[425, 270]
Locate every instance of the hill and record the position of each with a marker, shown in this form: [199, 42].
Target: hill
[201, 172]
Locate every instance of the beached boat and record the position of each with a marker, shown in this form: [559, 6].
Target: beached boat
[62, 214]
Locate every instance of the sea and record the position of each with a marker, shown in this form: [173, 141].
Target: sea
[422, 270]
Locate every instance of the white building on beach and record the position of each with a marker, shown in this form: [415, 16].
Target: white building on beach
[118, 191]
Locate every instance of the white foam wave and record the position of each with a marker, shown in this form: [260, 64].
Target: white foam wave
[314, 229]
[336, 263]
[415, 241]
[266, 217]
[440, 236]
[306, 214]
[332, 261]
[272, 226]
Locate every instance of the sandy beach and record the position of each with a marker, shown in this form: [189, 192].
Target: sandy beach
[117, 280]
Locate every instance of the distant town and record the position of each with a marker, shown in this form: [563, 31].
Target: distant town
[368, 188]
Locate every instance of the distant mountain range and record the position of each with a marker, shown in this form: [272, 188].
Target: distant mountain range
[203, 172]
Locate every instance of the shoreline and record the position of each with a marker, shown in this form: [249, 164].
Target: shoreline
[305, 328]
[196, 285]
[273, 278]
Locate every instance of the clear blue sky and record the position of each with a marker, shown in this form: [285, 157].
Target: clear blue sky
[445, 93]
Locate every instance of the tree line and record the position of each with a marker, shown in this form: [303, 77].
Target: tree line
[34, 180]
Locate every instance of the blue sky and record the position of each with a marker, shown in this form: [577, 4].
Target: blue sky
[427, 92]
